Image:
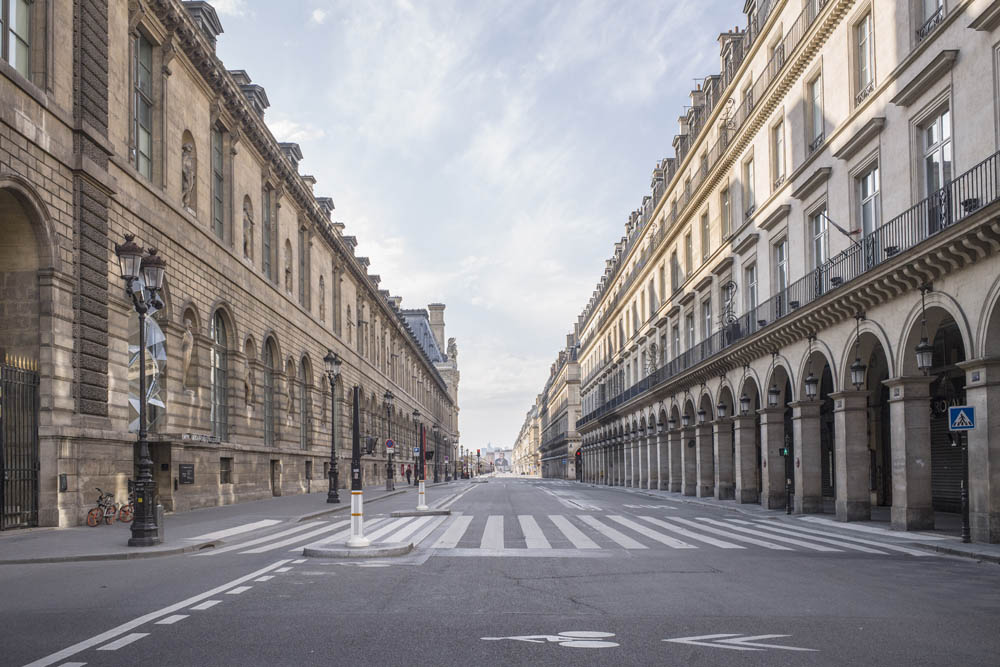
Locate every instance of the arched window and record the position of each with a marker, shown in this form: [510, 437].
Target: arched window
[270, 355]
[305, 413]
[220, 377]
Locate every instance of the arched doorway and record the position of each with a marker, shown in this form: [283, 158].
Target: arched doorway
[947, 389]
[20, 333]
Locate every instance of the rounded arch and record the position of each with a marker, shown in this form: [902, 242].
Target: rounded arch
[725, 397]
[750, 388]
[988, 335]
[939, 306]
[780, 377]
[689, 409]
[642, 424]
[250, 347]
[705, 403]
[189, 314]
[17, 190]
[661, 420]
[270, 351]
[872, 337]
[225, 310]
[291, 368]
[306, 369]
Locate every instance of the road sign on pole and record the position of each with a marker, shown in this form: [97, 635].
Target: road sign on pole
[961, 418]
[389, 444]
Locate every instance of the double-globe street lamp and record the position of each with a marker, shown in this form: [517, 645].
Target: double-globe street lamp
[332, 362]
[143, 275]
[390, 473]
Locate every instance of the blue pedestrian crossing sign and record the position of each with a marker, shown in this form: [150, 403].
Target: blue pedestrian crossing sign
[961, 418]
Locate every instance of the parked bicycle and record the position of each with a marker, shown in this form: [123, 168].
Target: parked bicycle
[127, 510]
[106, 510]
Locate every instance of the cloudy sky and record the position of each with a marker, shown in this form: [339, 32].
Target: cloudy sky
[485, 153]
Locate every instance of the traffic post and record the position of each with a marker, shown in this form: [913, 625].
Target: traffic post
[962, 418]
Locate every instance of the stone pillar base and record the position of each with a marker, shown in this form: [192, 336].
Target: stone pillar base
[725, 491]
[674, 487]
[904, 518]
[689, 490]
[705, 491]
[853, 510]
[808, 504]
[774, 501]
[985, 527]
[746, 496]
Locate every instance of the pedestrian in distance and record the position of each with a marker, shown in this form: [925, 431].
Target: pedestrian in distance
[409, 473]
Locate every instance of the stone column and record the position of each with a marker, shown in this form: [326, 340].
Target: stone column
[982, 391]
[851, 453]
[662, 469]
[627, 460]
[650, 480]
[910, 424]
[644, 459]
[772, 439]
[723, 449]
[808, 456]
[745, 434]
[704, 461]
[689, 464]
[675, 475]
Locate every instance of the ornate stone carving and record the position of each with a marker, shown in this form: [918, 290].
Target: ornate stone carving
[188, 174]
[452, 349]
[250, 386]
[187, 351]
[247, 231]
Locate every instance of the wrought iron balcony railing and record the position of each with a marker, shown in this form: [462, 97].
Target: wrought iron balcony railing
[931, 23]
[960, 198]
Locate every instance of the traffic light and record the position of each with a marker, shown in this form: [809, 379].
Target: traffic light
[477, 452]
[784, 451]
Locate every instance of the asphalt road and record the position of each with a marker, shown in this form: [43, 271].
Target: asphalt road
[523, 572]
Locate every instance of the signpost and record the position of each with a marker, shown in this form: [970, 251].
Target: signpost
[389, 445]
[963, 418]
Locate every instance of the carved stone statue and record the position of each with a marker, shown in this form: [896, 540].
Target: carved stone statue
[247, 231]
[288, 267]
[187, 351]
[187, 174]
[291, 399]
[249, 386]
[452, 349]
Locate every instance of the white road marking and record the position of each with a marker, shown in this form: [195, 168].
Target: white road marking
[407, 530]
[388, 528]
[283, 569]
[238, 590]
[735, 642]
[451, 502]
[453, 535]
[875, 530]
[208, 604]
[292, 540]
[861, 540]
[238, 530]
[839, 543]
[652, 534]
[73, 664]
[770, 536]
[261, 540]
[572, 533]
[298, 561]
[142, 620]
[732, 536]
[170, 620]
[621, 539]
[422, 534]
[266, 577]
[124, 641]
[533, 537]
[692, 535]
[493, 535]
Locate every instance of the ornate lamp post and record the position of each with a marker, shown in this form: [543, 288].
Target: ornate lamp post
[437, 452]
[332, 362]
[390, 472]
[143, 276]
[924, 349]
[416, 447]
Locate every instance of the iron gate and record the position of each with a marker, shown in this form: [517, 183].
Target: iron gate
[18, 443]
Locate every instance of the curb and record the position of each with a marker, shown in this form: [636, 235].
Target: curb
[343, 507]
[124, 555]
[382, 551]
[952, 551]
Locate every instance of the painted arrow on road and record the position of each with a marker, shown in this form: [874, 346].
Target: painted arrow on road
[736, 642]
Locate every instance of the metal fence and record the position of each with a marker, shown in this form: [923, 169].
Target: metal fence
[960, 198]
[19, 460]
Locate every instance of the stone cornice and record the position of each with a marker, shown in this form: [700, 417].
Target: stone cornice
[927, 77]
[816, 179]
[860, 138]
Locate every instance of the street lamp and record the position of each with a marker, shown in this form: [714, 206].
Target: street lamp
[672, 423]
[812, 382]
[857, 368]
[143, 276]
[332, 362]
[437, 451]
[702, 415]
[722, 409]
[390, 473]
[685, 420]
[744, 404]
[416, 446]
[924, 350]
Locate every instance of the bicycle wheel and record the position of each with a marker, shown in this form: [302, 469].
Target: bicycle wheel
[109, 514]
[94, 516]
[125, 513]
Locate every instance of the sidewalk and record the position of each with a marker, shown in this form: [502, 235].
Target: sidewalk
[945, 539]
[197, 529]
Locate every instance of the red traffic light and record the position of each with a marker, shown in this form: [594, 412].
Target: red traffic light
[477, 452]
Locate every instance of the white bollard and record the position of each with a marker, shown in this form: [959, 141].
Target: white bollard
[357, 538]
[422, 498]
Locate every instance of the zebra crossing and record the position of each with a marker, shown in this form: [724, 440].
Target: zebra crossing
[555, 535]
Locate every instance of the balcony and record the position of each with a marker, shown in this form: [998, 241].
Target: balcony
[932, 22]
[960, 198]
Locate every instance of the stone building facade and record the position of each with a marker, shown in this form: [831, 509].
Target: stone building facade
[559, 410]
[527, 448]
[119, 118]
[830, 211]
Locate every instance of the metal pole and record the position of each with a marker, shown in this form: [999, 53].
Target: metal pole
[966, 530]
[422, 491]
[357, 538]
[332, 494]
[389, 472]
[144, 532]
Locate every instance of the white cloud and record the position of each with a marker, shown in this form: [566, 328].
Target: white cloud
[286, 129]
[318, 16]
